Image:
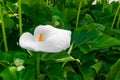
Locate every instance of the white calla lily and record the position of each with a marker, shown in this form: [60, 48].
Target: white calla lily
[114, 0]
[46, 39]
[110, 1]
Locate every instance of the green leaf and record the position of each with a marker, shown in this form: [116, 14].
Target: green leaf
[9, 23]
[60, 17]
[87, 59]
[20, 55]
[108, 10]
[110, 31]
[9, 74]
[89, 19]
[75, 3]
[97, 66]
[68, 12]
[6, 57]
[88, 73]
[86, 34]
[96, 13]
[104, 41]
[59, 57]
[28, 73]
[55, 72]
[38, 13]
[118, 76]
[73, 76]
[31, 3]
[84, 48]
[12, 0]
[115, 69]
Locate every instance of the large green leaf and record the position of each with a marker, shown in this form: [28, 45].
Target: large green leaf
[61, 18]
[114, 71]
[68, 12]
[37, 13]
[86, 34]
[104, 41]
[110, 31]
[91, 37]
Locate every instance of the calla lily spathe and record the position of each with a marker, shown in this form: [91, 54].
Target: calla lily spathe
[110, 1]
[46, 39]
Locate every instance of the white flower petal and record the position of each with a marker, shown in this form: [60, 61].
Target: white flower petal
[19, 68]
[110, 1]
[56, 42]
[113, 0]
[27, 41]
[94, 2]
[45, 30]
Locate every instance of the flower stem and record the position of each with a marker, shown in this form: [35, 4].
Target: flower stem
[20, 17]
[50, 1]
[115, 16]
[103, 3]
[37, 65]
[97, 1]
[118, 21]
[78, 14]
[47, 2]
[3, 29]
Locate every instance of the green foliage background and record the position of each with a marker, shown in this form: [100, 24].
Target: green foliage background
[95, 46]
